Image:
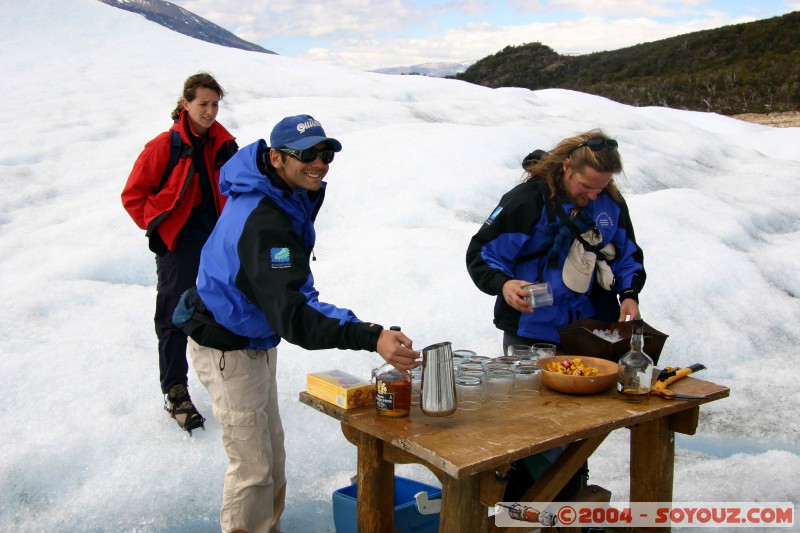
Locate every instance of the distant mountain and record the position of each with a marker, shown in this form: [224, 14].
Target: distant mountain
[182, 21]
[742, 68]
[436, 70]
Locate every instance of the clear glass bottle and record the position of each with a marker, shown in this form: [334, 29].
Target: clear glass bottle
[635, 368]
[393, 388]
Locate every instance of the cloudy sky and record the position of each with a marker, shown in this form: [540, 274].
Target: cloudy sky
[370, 34]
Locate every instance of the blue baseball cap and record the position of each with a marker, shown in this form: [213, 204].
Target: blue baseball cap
[299, 133]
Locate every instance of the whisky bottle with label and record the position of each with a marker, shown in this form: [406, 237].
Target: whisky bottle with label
[393, 388]
[393, 398]
[635, 368]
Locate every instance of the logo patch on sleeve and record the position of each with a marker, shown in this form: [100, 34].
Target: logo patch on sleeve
[493, 216]
[280, 258]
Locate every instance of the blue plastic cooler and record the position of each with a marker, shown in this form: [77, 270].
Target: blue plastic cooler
[406, 517]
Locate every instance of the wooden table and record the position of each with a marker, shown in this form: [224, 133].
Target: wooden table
[470, 450]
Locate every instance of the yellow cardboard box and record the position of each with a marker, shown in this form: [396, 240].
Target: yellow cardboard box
[340, 388]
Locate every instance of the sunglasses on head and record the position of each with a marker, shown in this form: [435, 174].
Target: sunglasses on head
[309, 155]
[595, 144]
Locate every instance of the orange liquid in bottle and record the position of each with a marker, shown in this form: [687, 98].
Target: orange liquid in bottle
[394, 398]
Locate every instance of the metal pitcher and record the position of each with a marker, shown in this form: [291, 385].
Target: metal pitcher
[438, 380]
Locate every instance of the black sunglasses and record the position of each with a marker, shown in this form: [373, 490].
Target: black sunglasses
[595, 144]
[309, 154]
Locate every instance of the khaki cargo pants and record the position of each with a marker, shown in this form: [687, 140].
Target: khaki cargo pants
[244, 398]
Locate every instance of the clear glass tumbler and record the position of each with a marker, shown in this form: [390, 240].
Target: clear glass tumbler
[479, 373]
[511, 360]
[480, 359]
[527, 380]
[501, 385]
[469, 393]
[465, 355]
[521, 351]
[544, 349]
[540, 294]
[471, 366]
[494, 365]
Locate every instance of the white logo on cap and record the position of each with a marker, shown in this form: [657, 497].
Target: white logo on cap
[310, 123]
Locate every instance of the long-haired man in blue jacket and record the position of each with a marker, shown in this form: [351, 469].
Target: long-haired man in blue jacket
[566, 224]
[532, 237]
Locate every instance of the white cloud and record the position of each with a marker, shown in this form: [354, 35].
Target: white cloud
[591, 34]
[477, 40]
[370, 34]
[613, 8]
[262, 20]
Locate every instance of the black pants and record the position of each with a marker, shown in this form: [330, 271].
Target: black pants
[177, 271]
[520, 480]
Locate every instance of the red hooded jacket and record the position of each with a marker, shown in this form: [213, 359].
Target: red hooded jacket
[168, 208]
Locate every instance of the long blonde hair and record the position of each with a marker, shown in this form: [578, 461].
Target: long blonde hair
[549, 168]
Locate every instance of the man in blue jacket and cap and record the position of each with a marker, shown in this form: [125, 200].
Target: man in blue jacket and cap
[254, 288]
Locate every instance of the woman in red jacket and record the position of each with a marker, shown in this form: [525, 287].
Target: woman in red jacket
[178, 209]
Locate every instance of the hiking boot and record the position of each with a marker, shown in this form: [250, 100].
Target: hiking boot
[179, 405]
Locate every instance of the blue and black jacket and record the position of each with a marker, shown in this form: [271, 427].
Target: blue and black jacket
[514, 243]
[255, 278]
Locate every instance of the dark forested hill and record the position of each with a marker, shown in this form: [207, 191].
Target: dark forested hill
[743, 68]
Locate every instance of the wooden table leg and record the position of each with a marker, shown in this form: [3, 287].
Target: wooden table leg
[375, 500]
[652, 463]
[462, 510]
[559, 473]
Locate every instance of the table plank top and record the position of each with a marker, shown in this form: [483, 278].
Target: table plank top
[469, 442]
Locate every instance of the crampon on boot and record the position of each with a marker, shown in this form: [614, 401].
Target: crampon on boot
[180, 407]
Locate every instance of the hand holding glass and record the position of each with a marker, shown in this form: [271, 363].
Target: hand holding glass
[541, 294]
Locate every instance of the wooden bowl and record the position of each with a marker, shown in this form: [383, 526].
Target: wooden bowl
[579, 384]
